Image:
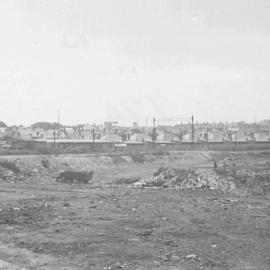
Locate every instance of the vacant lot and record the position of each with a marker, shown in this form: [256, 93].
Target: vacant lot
[110, 224]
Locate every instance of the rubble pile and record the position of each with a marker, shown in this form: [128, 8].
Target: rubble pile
[186, 179]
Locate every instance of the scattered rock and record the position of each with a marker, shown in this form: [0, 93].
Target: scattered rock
[191, 257]
[185, 179]
[175, 258]
[134, 240]
[146, 233]
[166, 257]
[171, 243]
[66, 204]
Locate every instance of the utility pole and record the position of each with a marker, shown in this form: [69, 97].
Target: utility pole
[93, 135]
[58, 124]
[192, 129]
[54, 137]
[81, 132]
[154, 130]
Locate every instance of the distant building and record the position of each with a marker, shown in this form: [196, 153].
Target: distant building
[241, 136]
[140, 137]
[71, 133]
[187, 137]
[111, 127]
[24, 133]
[216, 136]
[262, 136]
[50, 134]
[111, 138]
[167, 137]
[38, 133]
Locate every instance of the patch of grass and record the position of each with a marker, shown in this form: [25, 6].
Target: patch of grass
[138, 158]
[116, 159]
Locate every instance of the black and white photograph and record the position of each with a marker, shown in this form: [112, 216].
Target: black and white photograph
[135, 135]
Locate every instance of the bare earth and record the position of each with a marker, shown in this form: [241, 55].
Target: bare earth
[107, 224]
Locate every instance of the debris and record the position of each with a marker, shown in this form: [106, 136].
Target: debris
[146, 233]
[115, 266]
[66, 204]
[175, 258]
[171, 243]
[191, 257]
[166, 257]
[134, 240]
[185, 179]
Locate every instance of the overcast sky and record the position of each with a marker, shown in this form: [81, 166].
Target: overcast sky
[128, 60]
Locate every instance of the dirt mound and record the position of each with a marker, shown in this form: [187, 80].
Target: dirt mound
[166, 177]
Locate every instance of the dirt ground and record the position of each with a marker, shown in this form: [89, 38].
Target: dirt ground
[108, 224]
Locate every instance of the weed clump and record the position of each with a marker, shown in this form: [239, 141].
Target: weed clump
[75, 177]
[10, 166]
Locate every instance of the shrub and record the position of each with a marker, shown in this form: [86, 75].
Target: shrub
[45, 163]
[74, 176]
[10, 166]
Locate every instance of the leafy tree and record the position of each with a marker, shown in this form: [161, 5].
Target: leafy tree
[46, 125]
[2, 124]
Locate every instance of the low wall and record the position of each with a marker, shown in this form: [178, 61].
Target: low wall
[155, 147]
[34, 147]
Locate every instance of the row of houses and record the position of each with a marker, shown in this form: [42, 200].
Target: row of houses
[118, 134]
[165, 137]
